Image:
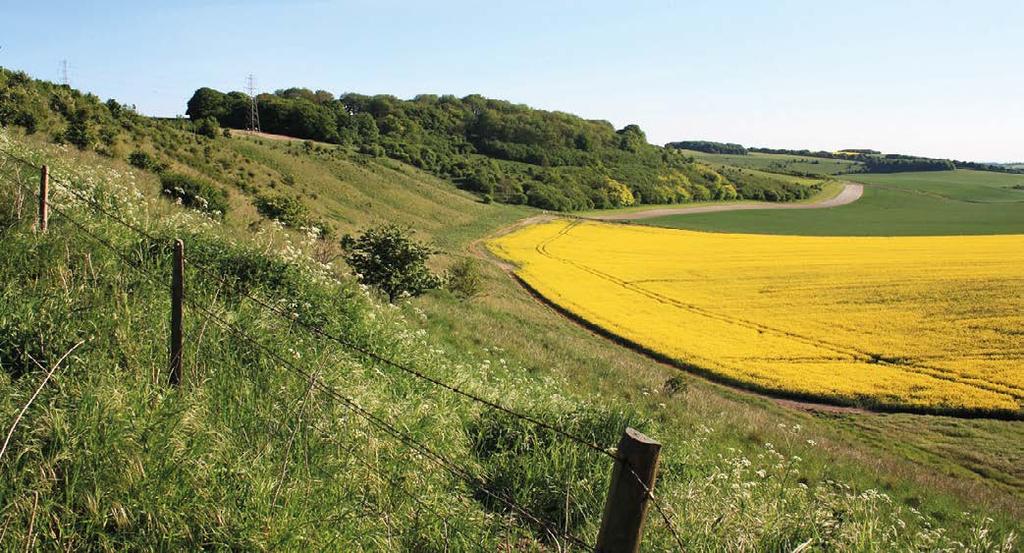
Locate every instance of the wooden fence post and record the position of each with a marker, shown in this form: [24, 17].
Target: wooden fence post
[44, 197]
[626, 507]
[177, 298]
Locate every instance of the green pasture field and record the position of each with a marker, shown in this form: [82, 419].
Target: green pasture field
[898, 204]
[779, 163]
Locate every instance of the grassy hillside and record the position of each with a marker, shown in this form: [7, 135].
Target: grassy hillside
[347, 189]
[804, 162]
[248, 455]
[948, 202]
[506, 152]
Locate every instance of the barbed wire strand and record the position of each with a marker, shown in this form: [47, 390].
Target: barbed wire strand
[440, 460]
[354, 347]
[385, 475]
[91, 201]
[437, 458]
[657, 506]
[320, 331]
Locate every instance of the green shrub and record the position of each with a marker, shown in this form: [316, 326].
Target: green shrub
[146, 162]
[389, 259]
[464, 278]
[81, 130]
[375, 150]
[195, 193]
[289, 210]
[208, 127]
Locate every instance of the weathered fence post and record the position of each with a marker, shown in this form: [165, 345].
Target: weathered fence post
[629, 494]
[177, 298]
[44, 197]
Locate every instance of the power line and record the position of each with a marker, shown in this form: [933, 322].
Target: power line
[254, 110]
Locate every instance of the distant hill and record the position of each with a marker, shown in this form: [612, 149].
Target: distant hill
[503, 151]
[868, 160]
[708, 147]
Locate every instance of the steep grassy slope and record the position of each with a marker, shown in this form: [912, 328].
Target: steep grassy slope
[216, 468]
[248, 456]
[348, 189]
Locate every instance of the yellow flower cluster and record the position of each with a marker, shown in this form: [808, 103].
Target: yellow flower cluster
[933, 323]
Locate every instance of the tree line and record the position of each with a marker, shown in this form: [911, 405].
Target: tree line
[503, 151]
[876, 162]
[708, 147]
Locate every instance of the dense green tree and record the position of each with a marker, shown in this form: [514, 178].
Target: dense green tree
[207, 102]
[632, 138]
[389, 259]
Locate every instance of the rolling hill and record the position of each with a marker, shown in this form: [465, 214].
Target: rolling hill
[251, 454]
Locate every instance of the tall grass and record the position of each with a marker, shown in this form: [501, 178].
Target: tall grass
[247, 455]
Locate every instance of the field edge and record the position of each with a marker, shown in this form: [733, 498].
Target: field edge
[803, 400]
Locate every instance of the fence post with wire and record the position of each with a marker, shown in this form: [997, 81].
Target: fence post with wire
[177, 308]
[635, 462]
[631, 488]
[44, 197]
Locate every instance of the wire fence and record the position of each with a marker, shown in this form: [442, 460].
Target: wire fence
[25, 168]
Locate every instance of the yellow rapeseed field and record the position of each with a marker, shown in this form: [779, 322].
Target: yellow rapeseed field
[933, 323]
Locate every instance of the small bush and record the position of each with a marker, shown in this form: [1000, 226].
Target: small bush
[146, 162]
[195, 193]
[208, 127]
[81, 130]
[289, 210]
[388, 259]
[464, 278]
[374, 150]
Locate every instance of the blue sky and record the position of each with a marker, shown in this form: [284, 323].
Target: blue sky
[933, 78]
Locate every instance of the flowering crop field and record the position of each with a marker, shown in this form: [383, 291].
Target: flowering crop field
[932, 323]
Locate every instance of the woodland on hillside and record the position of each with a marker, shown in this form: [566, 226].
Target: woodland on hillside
[505, 152]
